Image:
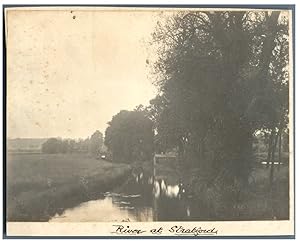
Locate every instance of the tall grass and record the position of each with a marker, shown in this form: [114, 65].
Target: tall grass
[39, 186]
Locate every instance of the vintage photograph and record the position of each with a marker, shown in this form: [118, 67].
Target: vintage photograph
[136, 114]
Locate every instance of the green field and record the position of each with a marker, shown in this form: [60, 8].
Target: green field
[41, 185]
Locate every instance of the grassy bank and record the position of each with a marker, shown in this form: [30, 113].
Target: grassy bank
[41, 185]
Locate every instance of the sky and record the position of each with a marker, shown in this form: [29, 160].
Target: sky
[69, 72]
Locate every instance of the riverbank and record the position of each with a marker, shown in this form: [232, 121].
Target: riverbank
[252, 201]
[42, 185]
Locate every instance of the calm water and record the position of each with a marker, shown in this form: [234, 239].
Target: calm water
[141, 198]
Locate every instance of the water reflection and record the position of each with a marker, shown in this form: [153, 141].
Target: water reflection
[106, 209]
[275, 163]
[161, 189]
[141, 198]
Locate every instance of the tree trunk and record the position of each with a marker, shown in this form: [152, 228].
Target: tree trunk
[203, 148]
[279, 149]
[235, 154]
[273, 159]
[270, 147]
[180, 150]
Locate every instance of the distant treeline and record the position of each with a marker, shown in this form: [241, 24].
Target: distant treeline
[27, 145]
[92, 145]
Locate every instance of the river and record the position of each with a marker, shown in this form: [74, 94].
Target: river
[140, 198]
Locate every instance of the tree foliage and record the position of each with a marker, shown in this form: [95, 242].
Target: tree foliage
[95, 143]
[52, 145]
[129, 136]
[221, 76]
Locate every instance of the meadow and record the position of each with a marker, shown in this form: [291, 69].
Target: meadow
[41, 185]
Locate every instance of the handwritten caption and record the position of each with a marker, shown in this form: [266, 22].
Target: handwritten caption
[177, 230]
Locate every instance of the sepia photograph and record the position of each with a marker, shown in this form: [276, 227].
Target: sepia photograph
[149, 121]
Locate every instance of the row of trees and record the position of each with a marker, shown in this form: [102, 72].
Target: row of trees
[222, 76]
[92, 145]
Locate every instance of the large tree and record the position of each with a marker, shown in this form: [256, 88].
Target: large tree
[219, 83]
[129, 136]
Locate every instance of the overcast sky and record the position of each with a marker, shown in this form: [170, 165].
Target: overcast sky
[70, 72]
